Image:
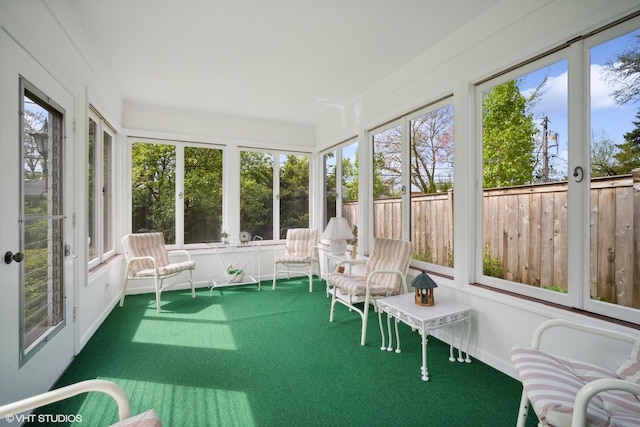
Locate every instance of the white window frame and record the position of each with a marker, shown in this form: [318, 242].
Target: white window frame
[99, 183]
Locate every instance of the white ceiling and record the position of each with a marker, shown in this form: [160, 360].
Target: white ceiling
[286, 60]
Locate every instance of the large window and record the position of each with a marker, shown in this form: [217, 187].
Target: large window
[550, 180]
[341, 166]
[42, 219]
[412, 183]
[274, 195]
[100, 201]
[431, 175]
[177, 189]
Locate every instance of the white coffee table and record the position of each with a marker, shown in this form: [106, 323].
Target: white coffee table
[425, 319]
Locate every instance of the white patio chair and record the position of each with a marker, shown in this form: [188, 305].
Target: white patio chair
[146, 419]
[384, 275]
[148, 258]
[567, 392]
[298, 254]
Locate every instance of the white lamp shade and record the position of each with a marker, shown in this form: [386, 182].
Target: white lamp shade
[337, 232]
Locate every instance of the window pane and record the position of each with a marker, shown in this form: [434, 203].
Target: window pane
[615, 154]
[387, 183]
[153, 169]
[42, 275]
[256, 193]
[93, 129]
[202, 194]
[431, 151]
[107, 193]
[350, 183]
[294, 192]
[524, 179]
[330, 192]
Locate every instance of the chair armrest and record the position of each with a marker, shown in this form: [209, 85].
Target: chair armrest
[108, 387]
[403, 277]
[547, 324]
[280, 250]
[592, 388]
[142, 258]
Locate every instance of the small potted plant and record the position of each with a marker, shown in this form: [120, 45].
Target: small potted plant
[224, 236]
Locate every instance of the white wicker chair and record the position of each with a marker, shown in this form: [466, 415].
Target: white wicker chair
[567, 392]
[298, 254]
[148, 258]
[384, 275]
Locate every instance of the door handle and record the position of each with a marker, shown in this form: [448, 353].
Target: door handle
[10, 256]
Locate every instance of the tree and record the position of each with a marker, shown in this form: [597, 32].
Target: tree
[624, 74]
[153, 177]
[603, 149]
[509, 136]
[256, 196]
[431, 146]
[628, 156]
[294, 193]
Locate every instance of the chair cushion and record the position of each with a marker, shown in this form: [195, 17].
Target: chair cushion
[168, 269]
[356, 285]
[293, 259]
[552, 382]
[299, 242]
[389, 254]
[629, 370]
[146, 419]
[146, 244]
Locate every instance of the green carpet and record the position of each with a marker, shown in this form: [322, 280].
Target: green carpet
[271, 358]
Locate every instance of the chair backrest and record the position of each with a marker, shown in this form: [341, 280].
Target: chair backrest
[145, 244]
[389, 254]
[300, 241]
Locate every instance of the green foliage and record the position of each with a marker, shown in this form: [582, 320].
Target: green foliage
[491, 266]
[603, 149]
[628, 156]
[508, 135]
[153, 176]
[256, 193]
[294, 193]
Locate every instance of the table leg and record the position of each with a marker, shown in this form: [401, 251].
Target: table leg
[425, 372]
[390, 346]
[382, 347]
[397, 338]
[453, 341]
[468, 323]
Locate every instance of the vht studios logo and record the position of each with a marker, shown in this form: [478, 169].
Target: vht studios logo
[44, 418]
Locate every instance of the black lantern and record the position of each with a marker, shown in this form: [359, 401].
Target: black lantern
[424, 289]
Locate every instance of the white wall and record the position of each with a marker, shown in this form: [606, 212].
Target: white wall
[508, 34]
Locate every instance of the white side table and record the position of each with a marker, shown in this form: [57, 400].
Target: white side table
[425, 319]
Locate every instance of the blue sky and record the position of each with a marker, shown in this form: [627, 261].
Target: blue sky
[607, 118]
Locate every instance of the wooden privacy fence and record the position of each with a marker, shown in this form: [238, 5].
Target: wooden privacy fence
[525, 230]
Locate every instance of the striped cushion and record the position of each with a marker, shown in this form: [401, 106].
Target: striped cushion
[146, 244]
[552, 382]
[299, 243]
[355, 285]
[629, 370]
[168, 269]
[386, 254]
[389, 254]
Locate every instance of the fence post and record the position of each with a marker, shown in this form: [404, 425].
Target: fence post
[636, 237]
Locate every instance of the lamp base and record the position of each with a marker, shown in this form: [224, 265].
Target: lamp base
[338, 247]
